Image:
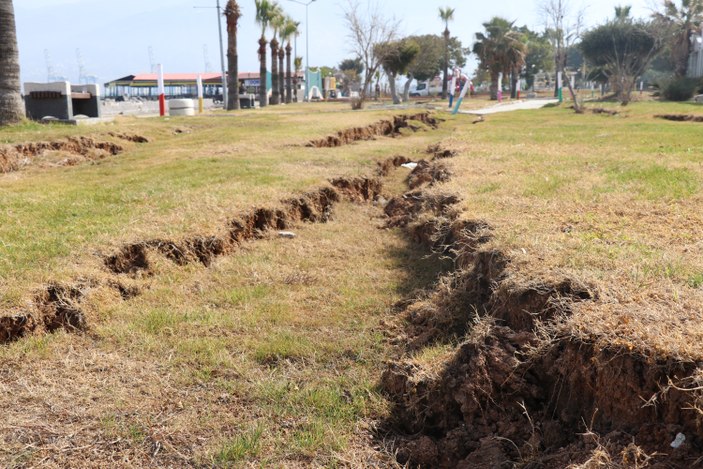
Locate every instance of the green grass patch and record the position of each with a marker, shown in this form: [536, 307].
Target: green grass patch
[654, 181]
[244, 446]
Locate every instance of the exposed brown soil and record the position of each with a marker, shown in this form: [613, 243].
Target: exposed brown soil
[680, 117]
[77, 149]
[358, 189]
[130, 137]
[386, 128]
[428, 173]
[59, 306]
[439, 151]
[384, 167]
[607, 112]
[519, 390]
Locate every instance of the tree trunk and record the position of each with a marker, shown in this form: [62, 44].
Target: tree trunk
[445, 77]
[281, 73]
[275, 90]
[514, 77]
[391, 85]
[494, 86]
[263, 92]
[232, 15]
[289, 88]
[11, 105]
[406, 88]
[577, 106]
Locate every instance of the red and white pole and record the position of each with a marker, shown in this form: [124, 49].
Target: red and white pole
[162, 91]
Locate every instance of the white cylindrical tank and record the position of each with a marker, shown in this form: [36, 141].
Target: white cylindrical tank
[181, 107]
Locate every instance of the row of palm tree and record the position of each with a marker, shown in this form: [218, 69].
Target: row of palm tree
[269, 14]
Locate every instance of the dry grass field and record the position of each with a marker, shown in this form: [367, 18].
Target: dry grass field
[530, 296]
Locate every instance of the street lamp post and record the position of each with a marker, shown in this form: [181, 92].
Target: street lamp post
[307, 46]
[222, 54]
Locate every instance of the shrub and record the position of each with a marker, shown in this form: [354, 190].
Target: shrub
[679, 89]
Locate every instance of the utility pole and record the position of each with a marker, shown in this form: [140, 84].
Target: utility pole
[222, 53]
[307, 46]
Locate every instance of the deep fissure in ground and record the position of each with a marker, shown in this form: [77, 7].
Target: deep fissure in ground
[517, 390]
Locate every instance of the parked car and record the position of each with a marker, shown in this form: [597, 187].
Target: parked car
[425, 89]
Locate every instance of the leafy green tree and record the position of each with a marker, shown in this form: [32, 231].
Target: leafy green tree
[538, 58]
[501, 49]
[351, 70]
[11, 106]
[678, 23]
[430, 61]
[621, 50]
[395, 58]
[446, 14]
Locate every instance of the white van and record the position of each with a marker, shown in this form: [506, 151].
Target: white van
[427, 88]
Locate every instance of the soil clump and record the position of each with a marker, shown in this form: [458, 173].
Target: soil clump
[680, 117]
[516, 387]
[382, 128]
[15, 157]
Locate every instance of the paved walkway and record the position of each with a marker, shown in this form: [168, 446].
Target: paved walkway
[513, 106]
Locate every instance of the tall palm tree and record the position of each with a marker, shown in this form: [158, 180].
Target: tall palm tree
[276, 20]
[298, 66]
[501, 50]
[11, 107]
[289, 30]
[282, 71]
[622, 13]
[232, 14]
[681, 22]
[446, 15]
[264, 10]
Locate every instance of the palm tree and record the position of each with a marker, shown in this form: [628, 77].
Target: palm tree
[622, 13]
[501, 50]
[276, 20]
[11, 107]
[446, 15]
[232, 14]
[289, 30]
[682, 22]
[282, 71]
[264, 9]
[298, 66]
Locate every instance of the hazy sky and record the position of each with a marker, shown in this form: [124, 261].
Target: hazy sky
[114, 36]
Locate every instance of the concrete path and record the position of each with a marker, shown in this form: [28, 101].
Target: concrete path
[515, 106]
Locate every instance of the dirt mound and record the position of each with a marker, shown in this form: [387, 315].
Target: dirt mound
[15, 157]
[607, 112]
[520, 389]
[314, 206]
[680, 117]
[358, 189]
[439, 151]
[130, 137]
[405, 209]
[385, 167]
[387, 128]
[428, 173]
[15, 327]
